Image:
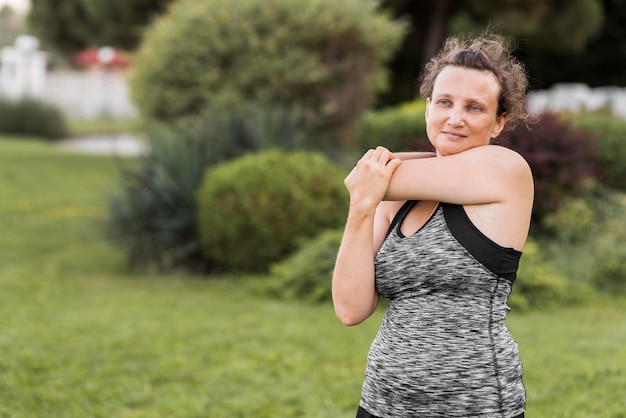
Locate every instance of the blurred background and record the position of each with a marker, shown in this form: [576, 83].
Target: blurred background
[577, 42]
[172, 198]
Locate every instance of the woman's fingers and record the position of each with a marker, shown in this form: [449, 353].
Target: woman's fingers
[393, 164]
[379, 154]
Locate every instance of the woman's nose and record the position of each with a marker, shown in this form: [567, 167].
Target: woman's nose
[455, 116]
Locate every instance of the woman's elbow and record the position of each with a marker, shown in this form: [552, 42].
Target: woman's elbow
[349, 320]
[350, 317]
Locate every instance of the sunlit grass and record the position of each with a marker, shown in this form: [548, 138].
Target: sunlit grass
[82, 337]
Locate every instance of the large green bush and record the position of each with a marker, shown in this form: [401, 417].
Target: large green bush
[399, 128]
[255, 210]
[32, 117]
[610, 131]
[325, 56]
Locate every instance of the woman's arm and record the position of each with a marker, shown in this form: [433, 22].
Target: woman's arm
[481, 175]
[354, 295]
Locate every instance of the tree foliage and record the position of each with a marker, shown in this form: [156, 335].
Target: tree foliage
[553, 25]
[600, 63]
[72, 25]
[323, 56]
[540, 27]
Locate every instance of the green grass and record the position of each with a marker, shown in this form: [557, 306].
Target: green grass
[82, 337]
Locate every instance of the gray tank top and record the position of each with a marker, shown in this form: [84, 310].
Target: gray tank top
[443, 348]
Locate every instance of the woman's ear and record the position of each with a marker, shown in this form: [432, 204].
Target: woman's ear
[427, 106]
[499, 126]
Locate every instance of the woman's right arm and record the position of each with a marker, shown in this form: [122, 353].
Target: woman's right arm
[354, 295]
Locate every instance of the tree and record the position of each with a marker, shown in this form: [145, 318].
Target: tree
[72, 25]
[563, 27]
[553, 25]
[600, 63]
[323, 57]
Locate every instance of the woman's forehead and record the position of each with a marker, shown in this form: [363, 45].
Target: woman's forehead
[455, 80]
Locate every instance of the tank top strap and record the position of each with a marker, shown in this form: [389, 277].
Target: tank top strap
[400, 215]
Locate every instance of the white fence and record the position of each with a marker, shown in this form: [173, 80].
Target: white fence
[90, 94]
[95, 93]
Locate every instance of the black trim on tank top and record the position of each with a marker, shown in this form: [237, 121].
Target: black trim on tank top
[400, 215]
[500, 260]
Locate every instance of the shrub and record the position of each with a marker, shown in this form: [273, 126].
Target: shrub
[610, 131]
[574, 221]
[562, 160]
[254, 211]
[585, 241]
[538, 285]
[399, 128]
[608, 272]
[325, 56]
[608, 246]
[307, 274]
[32, 117]
[154, 217]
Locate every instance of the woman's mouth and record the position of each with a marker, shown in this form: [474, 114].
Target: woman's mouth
[453, 135]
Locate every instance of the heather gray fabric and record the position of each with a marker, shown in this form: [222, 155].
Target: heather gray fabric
[443, 349]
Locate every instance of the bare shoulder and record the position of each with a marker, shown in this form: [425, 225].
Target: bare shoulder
[498, 154]
[509, 163]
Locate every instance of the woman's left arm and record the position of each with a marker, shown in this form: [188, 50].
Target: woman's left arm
[481, 175]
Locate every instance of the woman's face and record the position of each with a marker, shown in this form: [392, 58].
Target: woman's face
[461, 112]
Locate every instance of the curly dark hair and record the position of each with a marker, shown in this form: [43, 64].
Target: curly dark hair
[485, 53]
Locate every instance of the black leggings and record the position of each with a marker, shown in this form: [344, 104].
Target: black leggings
[362, 413]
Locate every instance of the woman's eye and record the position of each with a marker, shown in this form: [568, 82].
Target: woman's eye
[444, 102]
[474, 108]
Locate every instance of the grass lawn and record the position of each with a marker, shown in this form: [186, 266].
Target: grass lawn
[81, 337]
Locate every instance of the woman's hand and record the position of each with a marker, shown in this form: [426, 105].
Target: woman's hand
[368, 181]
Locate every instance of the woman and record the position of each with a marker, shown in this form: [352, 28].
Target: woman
[441, 238]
